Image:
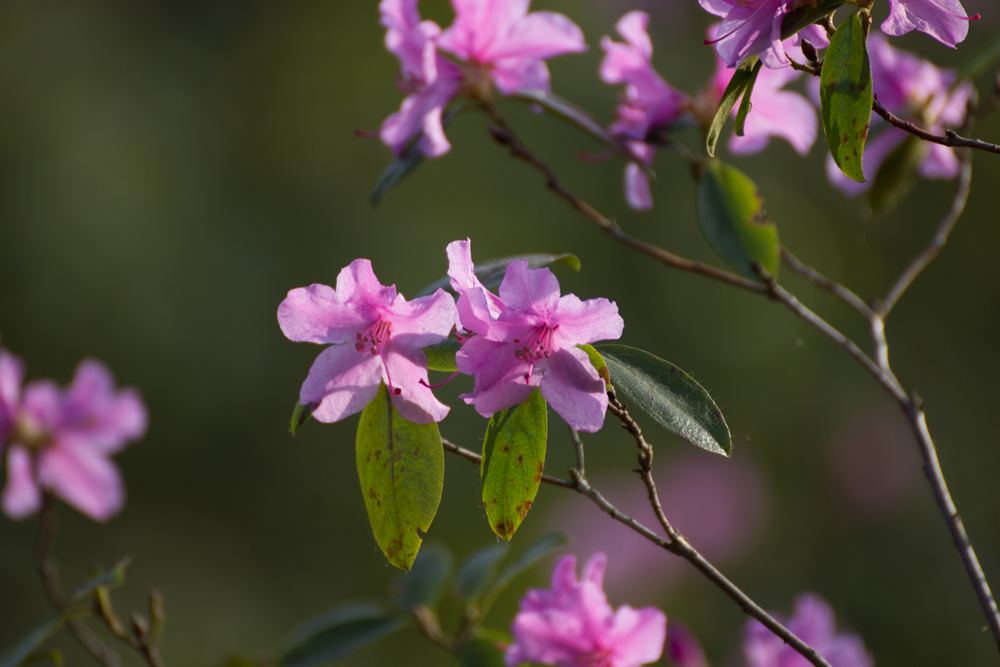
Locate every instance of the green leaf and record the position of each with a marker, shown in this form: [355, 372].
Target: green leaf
[401, 468]
[19, 653]
[846, 97]
[426, 581]
[897, 175]
[745, 74]
[597, 361]
[441, 357]
[300, 415]
[805, 16]
[491, 273]
[335, 634]
[110, 579]
[979, 63]
[407, 161]
[528, 558]
[477, 571]
[482, 650]
[669, 395]
[746, 105]
[513, 461]
[733, 221]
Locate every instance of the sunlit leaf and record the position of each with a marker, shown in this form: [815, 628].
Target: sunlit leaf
[597, 361]
[732, 219]
[513, 462]
[300, 415]
[426, 581]
[669, 395]
[746, 104]
[846, 97]
[337, 633]
[742, 79]
[491, 272]
[401, 468]
[441, 357]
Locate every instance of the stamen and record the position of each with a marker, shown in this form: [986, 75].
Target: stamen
[373, 340]
[538, 345]
[440, 384]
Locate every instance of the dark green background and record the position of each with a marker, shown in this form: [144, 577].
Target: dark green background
[168, 170]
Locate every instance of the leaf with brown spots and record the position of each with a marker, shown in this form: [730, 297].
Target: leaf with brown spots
[513, 452]
[846, 97]
[400, 499]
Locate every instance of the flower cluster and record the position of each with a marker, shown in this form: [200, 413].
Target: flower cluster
[496, 43]
[58, 441]
[526, 337]
[572, 624]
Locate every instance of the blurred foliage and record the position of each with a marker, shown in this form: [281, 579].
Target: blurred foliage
[168, 170]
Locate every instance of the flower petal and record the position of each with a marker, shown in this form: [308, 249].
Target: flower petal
[95, 415]
[530, 290]
[500, 382]
[637, 193]
[778, 113]
[683, 647]
[11, 378]
[420, 113]
[537, 36]
[637, 636]
[575, 391]
[426, 320]
[876, 151]
[944, 20]
[582, 322]
[479, 24]
[341, 382]
[86, 480]
[940, 163]
[512, 75]
[717, 7]
[405, 371]
[317, 314]
[21, 496]
[477, 306]
[42, 404]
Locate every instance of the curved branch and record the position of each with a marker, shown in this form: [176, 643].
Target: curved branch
[950, 137]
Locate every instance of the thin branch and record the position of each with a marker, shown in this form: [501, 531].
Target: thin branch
[921, 261]
[477, 459]
[48, 570]
[677, 545]
[950, 137]
[824, 283]
[578, 448]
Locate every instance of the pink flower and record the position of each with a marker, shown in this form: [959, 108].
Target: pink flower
[775, 112]
[649, 101]
[944, 20]
[431, 80]
[528, 338]
[60, 441]
[813, 623]
[375, 336]
[912, 88]
[750, 27]
[501, 38]
[683, 647]
[572, 624]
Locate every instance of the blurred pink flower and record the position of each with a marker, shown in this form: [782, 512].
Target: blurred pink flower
[532, 342]
[750, 27]
[503, 39]
[683, 647]
[874, 463]
[775, 112]
[649, 101]
[718, 504]
[572, 624]
[375, 336]
[431, 80]
[60, 441]
[944, 20]
[915, 89]
[813, 623]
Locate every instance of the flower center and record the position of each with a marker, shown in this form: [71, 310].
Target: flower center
[537, 345]
[29, 434]
[373, 340]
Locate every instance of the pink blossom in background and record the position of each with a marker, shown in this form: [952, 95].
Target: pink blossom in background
[944, 20]
[572, 625]
[748, 28]
[375, 336]
[775, 112]
[431, 80]
[528, 338]
[913, 89]
[813, 623]
[60, 441]
[502, 39]
[874, 464]
[649, 101]
[683, 647]
[720, 505]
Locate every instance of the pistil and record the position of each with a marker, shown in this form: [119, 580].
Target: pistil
[538, 345]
